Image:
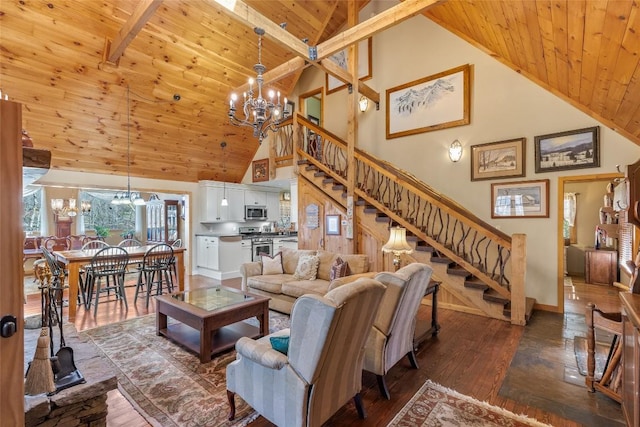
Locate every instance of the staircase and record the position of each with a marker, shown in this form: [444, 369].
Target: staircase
[481, 268]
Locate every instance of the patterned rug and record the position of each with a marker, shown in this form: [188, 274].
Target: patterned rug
[435, 405]
[165, 382]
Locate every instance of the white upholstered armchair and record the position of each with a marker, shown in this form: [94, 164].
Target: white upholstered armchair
[391, 337]
[323, 368]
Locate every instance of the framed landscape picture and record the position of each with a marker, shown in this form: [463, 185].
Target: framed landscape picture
[495, 160]
[341, 58]
[435, 102]
[574, 149]
[522, 199]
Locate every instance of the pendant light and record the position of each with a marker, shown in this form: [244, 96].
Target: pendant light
[224, 201]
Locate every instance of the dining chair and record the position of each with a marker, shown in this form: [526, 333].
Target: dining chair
[174, 270]
[129, 243]
[54, 243]
[83, 298]
[76, 241]
[155, 271]
[88, 239]
[108, 263]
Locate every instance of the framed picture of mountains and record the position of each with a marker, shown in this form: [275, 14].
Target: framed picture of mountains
[495, 160]
[573, 149]
[431, 103]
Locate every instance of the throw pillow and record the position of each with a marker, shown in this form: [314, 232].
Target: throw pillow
[307, 268]
[339, 268]
[280, 343]
[271, 265]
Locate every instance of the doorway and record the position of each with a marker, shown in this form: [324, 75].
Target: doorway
[573, 292]
[311, 105]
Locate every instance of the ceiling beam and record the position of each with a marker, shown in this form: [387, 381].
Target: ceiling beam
[130, 29]
[392, 16]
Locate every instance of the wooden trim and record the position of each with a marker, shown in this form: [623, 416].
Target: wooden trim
[11, 289]
[560, 216]
[143, 12]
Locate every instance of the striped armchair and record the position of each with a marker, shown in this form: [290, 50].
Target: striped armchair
[323, 368]
[391, 337]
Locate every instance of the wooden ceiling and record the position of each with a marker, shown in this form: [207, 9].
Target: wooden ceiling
[55, 61]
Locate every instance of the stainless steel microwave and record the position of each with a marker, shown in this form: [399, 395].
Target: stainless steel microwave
[255, 213]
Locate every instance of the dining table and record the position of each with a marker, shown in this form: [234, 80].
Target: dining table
[74, 259]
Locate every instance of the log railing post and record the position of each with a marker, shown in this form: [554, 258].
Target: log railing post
[518, 278]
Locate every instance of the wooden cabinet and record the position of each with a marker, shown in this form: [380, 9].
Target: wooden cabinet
[162, 221]
[601, 266]
[631, 357]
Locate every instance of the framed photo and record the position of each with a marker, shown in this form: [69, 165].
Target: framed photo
[341, 58]
[523, 199]
[332, 225]
[260, 170]
[503, 159]
[289, 108]
[574, 149]
[435, 102]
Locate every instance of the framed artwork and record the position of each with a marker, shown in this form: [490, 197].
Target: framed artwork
[435, 102]
[574, 149]
[332, 225]
[341, 58]
[289, 108]
[523, 199]
[495, 160]
[260, 170]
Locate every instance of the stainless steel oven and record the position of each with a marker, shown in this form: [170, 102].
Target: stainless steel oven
[261, 245]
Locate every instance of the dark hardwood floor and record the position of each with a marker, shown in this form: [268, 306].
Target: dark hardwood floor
[471, 354]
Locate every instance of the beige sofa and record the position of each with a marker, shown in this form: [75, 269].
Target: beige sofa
[283, 289]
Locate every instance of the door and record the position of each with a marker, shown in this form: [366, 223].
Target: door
[11, 289]
[311, 227]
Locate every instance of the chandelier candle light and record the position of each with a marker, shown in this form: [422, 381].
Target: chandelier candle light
[397, 244]
[259, 113]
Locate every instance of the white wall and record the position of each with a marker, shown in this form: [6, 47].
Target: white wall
[504, 105]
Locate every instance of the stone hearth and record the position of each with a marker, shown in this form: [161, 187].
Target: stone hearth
[80, 405]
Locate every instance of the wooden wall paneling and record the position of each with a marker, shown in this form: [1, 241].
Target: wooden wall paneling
[309, 238]
[11, 285]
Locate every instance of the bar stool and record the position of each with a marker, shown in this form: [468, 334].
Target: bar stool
[155, 271]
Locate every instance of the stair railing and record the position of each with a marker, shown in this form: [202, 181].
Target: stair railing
[456, 233]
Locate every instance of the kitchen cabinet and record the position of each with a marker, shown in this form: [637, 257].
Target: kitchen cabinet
[245, 246]
[212, 209]
[284, 242]
[162, 221]
[207, 252]
[601, 266]
[273, 206]
[255, 197]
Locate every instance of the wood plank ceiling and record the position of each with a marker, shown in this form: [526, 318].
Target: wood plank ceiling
[52, 56]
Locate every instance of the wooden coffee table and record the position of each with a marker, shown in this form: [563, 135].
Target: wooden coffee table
[211, 318]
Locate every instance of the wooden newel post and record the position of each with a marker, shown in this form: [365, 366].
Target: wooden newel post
[518, 278]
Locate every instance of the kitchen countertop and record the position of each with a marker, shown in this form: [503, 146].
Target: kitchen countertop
[292, 236]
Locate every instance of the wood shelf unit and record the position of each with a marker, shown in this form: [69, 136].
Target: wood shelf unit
[601, 266]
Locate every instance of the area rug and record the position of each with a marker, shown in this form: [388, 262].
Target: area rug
[165, 382]
[435, 405]
[580, 350]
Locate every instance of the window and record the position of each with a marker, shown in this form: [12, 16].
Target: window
[32, 209]
[105, 214]
[569, 228]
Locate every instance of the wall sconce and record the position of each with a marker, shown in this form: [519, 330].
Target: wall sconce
[397, 244]
[455, 151]
[363, 104]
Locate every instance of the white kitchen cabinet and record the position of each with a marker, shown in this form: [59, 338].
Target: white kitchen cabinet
[247, 255]
[207, 252]
[212, 209]
[273, 206]
[280, 243]
[255, 197]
